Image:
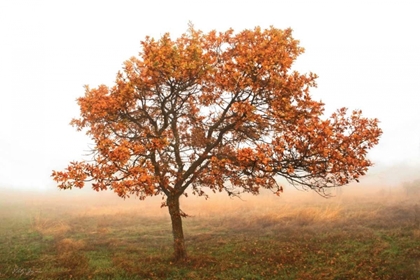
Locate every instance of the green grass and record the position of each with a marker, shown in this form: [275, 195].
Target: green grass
[81, 238]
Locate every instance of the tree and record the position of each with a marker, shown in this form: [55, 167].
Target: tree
[219, 112]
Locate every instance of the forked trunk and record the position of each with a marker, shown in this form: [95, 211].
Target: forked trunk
[179, 244]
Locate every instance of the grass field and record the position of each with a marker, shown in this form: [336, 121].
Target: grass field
[88, 235]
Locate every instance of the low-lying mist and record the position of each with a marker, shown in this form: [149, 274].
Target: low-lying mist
[89, 202]
[382, 182]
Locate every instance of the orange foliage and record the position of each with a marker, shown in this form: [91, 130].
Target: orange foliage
[221, 111]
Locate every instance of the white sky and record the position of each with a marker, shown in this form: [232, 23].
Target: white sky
[366, 54]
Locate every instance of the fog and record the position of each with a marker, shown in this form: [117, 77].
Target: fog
[381, 180]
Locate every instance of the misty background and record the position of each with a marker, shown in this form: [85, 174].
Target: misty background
[366, 55]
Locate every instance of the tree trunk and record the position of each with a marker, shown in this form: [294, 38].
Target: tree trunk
[179, 244]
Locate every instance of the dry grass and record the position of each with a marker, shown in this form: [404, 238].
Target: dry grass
[49, 227]
[295, 236]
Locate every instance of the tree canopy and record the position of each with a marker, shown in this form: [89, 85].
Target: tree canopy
[219, 111]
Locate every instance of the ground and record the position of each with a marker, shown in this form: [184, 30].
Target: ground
[364, 234]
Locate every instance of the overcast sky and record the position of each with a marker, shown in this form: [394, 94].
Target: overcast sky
[366, 54]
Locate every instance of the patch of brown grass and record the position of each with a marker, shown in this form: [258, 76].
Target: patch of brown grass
[309, 215]
[71, 257]
[69, 245]
[48, 226]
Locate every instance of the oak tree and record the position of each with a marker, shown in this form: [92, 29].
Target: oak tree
[218, 111]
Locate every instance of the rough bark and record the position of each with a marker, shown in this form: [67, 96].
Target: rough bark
[177, 231]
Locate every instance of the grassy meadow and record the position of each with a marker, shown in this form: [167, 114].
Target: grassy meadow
[374, 234]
